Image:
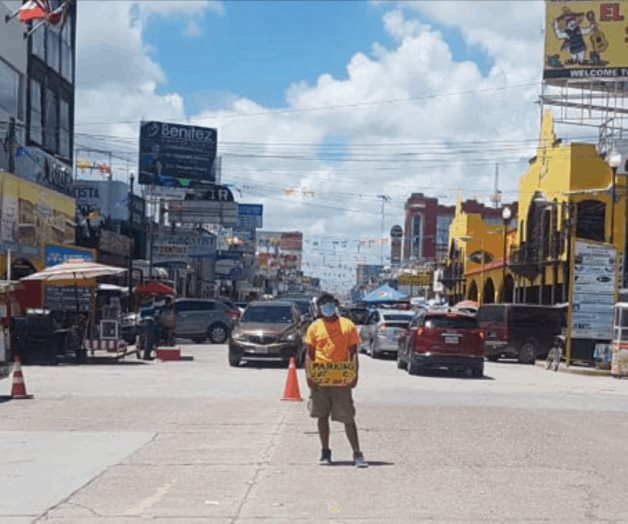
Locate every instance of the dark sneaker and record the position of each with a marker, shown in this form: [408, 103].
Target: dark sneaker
[359, 461]
[325, 459]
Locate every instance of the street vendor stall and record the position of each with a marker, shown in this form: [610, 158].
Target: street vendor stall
[69, 319]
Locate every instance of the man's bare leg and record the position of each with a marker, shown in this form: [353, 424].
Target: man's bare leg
[323, 432]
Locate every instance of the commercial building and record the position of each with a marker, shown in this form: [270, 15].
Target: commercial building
[569, 194]
[36, 124]
[427, 223]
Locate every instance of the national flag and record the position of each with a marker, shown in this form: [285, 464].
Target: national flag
[33, 10]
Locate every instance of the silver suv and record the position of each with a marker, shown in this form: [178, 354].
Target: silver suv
[383, 328]
[202, 319]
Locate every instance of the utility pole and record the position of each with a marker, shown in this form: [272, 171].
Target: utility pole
[131, 237]
[385, 199]
[11, 145]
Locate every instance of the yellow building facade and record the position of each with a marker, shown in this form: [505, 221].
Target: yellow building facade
[569, 191]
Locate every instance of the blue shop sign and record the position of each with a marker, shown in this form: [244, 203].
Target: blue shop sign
[58, 254]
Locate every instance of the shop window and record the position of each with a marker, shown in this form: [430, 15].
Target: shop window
[64, 129]
[11, 90]
[36, 130]
[67, 56]
[38, 43]
[590, 220]
[51, 123]
[53, 47]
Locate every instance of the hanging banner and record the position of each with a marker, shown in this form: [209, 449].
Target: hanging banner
[585, 40]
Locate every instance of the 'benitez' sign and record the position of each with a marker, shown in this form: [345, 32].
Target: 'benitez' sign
[175, 155]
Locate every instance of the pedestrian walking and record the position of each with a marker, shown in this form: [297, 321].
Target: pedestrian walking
[331, 339]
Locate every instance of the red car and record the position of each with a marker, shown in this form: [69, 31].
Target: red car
[442, 340]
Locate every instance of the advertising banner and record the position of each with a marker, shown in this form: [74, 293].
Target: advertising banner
[593, 297]
[250, 216]
[55, 254]
[585, 40]
[175, 155]
[203, 212]
[182, 245]
[105, 198]
[32, 216]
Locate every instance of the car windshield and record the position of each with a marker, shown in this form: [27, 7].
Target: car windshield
[397, 317]
[451, 322]
[268, 315]
[304, 306]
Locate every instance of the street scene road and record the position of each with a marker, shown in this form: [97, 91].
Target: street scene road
[198, 441]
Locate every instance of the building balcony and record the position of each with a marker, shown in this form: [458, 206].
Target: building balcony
[525, 261]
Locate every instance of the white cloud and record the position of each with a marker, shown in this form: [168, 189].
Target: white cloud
[435, 102]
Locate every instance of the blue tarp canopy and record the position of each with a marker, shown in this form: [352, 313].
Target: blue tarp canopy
[384, 294]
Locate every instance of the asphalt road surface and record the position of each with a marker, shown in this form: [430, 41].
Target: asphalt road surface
[199, 442]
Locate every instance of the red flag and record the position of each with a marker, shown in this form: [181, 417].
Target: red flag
[33, 10]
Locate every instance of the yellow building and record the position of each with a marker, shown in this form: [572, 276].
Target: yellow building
[569, 191]
[32, 217]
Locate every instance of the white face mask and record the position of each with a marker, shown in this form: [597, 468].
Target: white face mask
[328, 309]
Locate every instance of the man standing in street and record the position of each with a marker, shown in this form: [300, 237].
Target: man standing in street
[332, 339]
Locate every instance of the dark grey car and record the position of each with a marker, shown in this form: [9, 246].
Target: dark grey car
[203, 319]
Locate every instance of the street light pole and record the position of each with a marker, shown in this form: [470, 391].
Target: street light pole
[506, 216]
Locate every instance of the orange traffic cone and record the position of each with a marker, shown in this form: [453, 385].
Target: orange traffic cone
[18, 389]
[292, 391]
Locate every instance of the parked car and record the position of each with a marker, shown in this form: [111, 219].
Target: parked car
[520, 331]
[231, 305]
[203, 319]
[272, 330]
[382, 331]
[305, 307]
[442, 340]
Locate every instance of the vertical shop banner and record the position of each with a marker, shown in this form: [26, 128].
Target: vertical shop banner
[174, 155]
[585, 40]
[593, 293]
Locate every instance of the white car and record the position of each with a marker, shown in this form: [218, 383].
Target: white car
[382, 331]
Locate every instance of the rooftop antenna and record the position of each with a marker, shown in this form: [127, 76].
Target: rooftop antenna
[496, 197]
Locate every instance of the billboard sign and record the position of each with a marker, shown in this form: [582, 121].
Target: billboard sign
[585, 40]
[175, 155]
[593, 292]
[182, 245]
[250, 216]
[203, 212]
[58, 254]
[32, 216]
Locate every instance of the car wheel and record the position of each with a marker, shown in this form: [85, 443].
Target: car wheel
[527, 353]
[234, 360]
[412, 368]
[478, 372]
[493, 358]
[218, 333]
[400, 363]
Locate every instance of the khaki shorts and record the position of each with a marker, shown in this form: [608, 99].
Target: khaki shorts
[337, 402]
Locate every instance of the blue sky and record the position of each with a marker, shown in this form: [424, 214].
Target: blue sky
[257, 49]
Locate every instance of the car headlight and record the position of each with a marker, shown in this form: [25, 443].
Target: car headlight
[237, 336]
[290, 337]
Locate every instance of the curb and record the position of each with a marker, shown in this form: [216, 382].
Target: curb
[577, 370]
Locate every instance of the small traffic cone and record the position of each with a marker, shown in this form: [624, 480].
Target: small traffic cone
[292, 391]
[18, 389]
